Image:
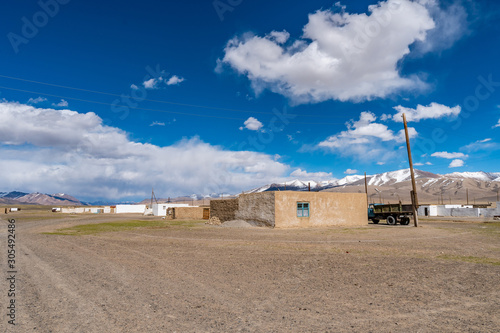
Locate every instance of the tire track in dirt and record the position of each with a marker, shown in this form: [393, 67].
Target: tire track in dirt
[220, 298]
[109, 302]
[57, 294]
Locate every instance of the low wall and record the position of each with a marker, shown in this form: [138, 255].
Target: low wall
[325, 209]
[190, 213]
[257, 208]
[224, 209]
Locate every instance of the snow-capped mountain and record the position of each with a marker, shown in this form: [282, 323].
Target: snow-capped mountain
[396, 185]
[484, 176]
[386, 178]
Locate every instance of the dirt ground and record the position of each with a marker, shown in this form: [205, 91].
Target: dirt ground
[441, 277]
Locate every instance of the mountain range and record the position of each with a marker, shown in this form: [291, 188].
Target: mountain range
[60, 199]
[457, 187]
[479, 187]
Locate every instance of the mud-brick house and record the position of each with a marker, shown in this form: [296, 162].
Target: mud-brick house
[294, 209]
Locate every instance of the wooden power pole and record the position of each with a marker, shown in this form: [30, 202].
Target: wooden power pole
[366, 191]
[414, 196]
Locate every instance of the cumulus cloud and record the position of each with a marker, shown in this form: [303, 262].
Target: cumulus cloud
[350, 172]
[444, 154]
[152, 83]
[66, 151]
[174, 80]
[62, 103]
[497, 125]
[366, 139]
[252, 124]
[456, 163]
[340, 56]
[451, 25]
[432, 111]
[37, 100]
[134, 87]
[303, 174]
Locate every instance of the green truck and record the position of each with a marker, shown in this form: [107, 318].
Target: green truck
[392, 213]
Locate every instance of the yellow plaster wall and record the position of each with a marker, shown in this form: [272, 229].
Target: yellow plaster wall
[325, 209]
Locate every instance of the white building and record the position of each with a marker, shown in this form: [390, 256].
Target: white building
[458, 211]
[123, 209]
[161, 208]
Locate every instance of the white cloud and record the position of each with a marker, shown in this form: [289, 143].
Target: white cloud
[174, 80]
[486, 144]
[37, 100]
[432, 111]
[303, 174]
[451, 25]
[252, 124]
[340, 56]
[350, 172]
[155, 82]
[420, 164]
[280, 37]
[444, 154]
[456, 163]
[65, 151]
[152, 83]
[157, 123]
[62, 103]
[366, 139]
[497, 125]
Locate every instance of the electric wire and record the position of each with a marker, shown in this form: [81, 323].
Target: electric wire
[154, 100]
[154, 110]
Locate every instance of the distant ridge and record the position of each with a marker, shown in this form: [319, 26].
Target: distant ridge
[36, 198]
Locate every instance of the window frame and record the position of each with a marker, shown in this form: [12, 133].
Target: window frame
[305, 206]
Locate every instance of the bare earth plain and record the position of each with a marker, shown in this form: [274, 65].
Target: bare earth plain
[443, 276]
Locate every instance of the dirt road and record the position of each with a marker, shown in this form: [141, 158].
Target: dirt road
[441, 277]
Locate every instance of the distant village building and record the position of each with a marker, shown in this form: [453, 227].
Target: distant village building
[160, 209]
[458, 210]
[123, 209]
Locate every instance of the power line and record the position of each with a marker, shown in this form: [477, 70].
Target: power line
[154, 110]
[153, 100]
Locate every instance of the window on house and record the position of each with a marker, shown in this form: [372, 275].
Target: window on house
[302, 209]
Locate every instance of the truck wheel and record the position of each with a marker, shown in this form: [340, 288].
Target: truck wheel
[375, 221]
[405, 221]
[391, 220]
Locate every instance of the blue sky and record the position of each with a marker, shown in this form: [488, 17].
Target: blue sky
[104, 100]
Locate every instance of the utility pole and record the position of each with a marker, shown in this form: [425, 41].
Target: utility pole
[366, 191]
[414, 185]
[467, 191]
